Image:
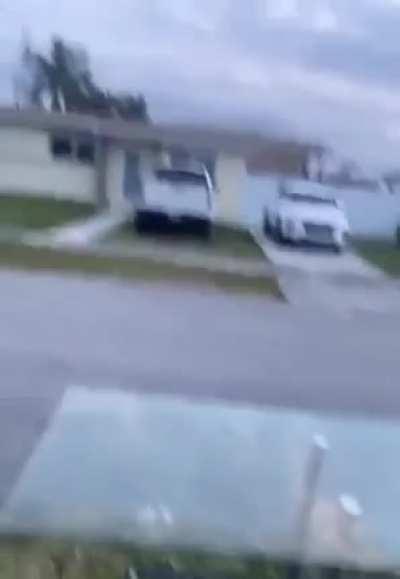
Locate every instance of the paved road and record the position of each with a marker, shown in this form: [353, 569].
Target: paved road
[57, 332]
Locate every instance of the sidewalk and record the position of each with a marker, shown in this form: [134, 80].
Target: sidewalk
[81, 240]
[86, 231]
[185, 258]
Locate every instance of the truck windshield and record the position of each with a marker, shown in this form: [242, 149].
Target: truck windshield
[181, 177]
[296, 198]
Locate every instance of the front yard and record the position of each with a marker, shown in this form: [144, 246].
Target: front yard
[18, 256]
[24, 212]
[225, 241]
[49, 558]
[230, 259]
[383, 254]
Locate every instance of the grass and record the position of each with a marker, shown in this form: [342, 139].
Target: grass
[28, 558]
[139, 269]
[383, 254]
[40, 212]
[25, 558]
[236, 242]
[225, 241]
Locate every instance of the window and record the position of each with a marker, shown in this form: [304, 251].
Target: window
[61, 147]
[72, 148]
[85, 152]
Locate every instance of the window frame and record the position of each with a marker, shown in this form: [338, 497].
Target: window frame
[53, 145]
[76, 144]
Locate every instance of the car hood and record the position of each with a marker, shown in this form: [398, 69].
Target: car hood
[319, 214]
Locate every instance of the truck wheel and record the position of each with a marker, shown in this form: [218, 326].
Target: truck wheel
[203, 229]
[278, 232]
[197, 227]
[267, 224]
[206, 233]
[141, 223]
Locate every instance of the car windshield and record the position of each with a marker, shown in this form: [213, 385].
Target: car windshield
[296, 198]
[181, 177]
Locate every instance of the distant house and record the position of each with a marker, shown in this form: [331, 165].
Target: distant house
[342, 181]
[107, 161]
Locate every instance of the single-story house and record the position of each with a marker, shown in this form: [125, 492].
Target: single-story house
[105, 160]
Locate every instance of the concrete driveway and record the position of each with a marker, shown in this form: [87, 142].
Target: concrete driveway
[345, 283]
[319, 261]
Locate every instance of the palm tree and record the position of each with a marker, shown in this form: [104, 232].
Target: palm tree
[66, 77]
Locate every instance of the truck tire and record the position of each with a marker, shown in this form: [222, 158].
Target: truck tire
[141, 223]
[206, 230]
[196, 227]
[267, 224]
[151, 222]
[278, 234]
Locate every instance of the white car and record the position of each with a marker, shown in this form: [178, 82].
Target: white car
[308, 218]
[177, 196]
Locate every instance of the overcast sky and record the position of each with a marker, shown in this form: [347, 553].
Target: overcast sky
[326, 70]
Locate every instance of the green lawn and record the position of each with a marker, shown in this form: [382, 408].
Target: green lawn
[224, 241]
[139, 269]
[385, 255]
[40, 212]
[29, 558]
[236, 242]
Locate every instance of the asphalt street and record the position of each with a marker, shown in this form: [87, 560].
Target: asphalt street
[57, 332]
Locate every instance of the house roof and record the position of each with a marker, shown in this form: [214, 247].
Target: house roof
[262, 153]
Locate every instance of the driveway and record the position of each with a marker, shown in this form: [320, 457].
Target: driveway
[344, 283]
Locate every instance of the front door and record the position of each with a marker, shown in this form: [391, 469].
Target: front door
[133, 186]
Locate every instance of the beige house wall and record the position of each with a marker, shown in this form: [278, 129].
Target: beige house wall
[28, 167]
[230, 176]
[115, 177]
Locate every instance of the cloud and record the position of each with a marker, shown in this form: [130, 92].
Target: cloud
[326, 70]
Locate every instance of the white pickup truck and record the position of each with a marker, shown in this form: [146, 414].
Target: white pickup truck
[176, 196]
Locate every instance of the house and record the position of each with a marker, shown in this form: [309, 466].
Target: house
[107, 160]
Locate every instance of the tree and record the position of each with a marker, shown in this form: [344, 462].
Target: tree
[64, 76]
